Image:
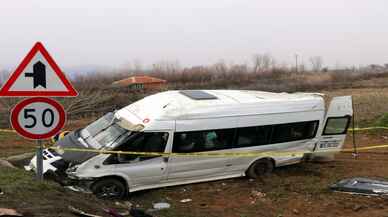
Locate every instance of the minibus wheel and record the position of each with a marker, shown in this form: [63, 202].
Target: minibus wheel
[260, 168]
[109, 188]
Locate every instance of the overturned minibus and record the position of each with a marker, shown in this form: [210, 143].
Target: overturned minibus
[188, 128]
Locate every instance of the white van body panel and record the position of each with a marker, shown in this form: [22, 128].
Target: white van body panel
[339, 107]
[174, 112]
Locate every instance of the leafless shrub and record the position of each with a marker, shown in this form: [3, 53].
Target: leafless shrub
[316, 63]
[6, 105]
[263, 62]
[166, 67]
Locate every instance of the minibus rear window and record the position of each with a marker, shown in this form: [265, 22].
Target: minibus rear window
[294, 131]
[336, 125]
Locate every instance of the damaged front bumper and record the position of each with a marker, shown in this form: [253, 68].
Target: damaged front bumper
[79, 184]
[83, 186]
[55, 168]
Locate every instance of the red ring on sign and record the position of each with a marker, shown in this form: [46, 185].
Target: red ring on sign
[146, 120]
[16, 110]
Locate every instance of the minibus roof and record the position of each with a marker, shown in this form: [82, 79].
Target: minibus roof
[195, 104]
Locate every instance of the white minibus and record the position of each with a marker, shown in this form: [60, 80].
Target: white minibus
[201, 134]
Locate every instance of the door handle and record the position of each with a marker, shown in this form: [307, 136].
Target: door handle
[165, 159]
[228, 165]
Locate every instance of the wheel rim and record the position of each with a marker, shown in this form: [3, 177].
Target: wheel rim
[261, 169]
[108, 191]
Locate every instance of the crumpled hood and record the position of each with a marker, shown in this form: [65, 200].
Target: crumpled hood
[71, 141]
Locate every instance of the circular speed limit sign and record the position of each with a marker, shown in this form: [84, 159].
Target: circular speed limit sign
[38, 118]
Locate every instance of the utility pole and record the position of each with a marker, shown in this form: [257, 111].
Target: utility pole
[296, 63]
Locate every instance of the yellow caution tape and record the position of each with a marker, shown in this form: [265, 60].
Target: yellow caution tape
[368, 128]
[7, 131]
[350, 129]
[222, 154]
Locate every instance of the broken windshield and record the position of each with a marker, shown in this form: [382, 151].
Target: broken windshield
[104, 132]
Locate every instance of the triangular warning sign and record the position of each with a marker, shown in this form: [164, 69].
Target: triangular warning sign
[38, 75]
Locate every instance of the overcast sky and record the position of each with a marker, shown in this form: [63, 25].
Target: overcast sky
[113, 33]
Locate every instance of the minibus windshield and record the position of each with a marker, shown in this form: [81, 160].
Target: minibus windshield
[104, 132]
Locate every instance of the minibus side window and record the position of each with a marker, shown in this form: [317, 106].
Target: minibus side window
[197, 141]
[143, 142]
[294, 131]
[253, 136]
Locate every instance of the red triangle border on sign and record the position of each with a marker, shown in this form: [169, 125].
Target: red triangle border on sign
[5, 90]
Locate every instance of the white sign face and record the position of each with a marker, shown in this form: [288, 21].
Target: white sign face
[38, 76]
[38, 118]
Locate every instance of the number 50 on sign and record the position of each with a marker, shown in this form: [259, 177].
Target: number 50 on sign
[38, 118]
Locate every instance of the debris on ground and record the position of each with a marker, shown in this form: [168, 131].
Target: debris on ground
[115, 213]
[161, 205]
[9, 212]
[139, 213]
[186, 200]
[363, 186]
[77, 189]
[124, 213]
[255, 195]
[81, 213]
[125, 204]
[5, 163]
[357, 208]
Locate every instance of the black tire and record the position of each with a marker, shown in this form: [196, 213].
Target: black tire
[109, 188]
[260, 168]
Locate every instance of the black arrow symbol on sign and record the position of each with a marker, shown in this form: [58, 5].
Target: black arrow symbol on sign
[39, 74]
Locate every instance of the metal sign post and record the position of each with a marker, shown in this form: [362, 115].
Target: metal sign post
[39, 160]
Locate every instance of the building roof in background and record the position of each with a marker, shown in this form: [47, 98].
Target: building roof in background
[139, 80]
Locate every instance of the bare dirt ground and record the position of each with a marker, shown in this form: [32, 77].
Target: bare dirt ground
[297, 190]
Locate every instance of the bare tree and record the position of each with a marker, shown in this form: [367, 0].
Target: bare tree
[263, 62]
[88, 102]
[220, 67]
[316, 63]
[166, 67]
[301, 67]
[6, 105]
